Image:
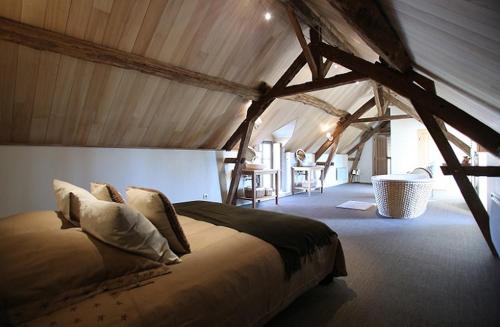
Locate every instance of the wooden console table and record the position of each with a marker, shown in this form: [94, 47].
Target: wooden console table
[309, 173]
[253, 175]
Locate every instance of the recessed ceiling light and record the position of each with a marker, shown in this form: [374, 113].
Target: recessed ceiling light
[268, 16]
[357, 82]
[335, 66]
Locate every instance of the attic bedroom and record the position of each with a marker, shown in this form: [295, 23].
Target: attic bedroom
[249, 163]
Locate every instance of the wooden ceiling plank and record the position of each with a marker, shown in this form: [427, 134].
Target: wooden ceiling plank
[303, 43]
[8, 71]
[26, 77]
[373, 27]
[50, 41]
[439, 107]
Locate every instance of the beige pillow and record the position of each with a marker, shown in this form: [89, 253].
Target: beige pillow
[62, 191]
[106, 192]
[158, 209]
[121, 226]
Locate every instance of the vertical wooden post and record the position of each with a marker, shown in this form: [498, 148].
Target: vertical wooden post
[468, 192]
[355, 163]
[330, 156]
[240, 160]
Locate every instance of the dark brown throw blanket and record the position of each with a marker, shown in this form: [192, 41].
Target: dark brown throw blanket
[294, 237]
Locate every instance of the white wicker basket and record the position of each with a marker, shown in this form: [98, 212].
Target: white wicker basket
[402, 196]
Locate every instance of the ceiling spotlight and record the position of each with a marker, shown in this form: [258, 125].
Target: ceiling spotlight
[329, 136]
[258, 122]
[268, 16]
[335, 66]
[357, 82]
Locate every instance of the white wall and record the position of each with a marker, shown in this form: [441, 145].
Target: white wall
[26, 173]
[365, 164]
[404, 144]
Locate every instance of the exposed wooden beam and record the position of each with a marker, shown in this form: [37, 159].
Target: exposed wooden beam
[306, 50]
[381, 118]
[326, 67]
[373, 27]
[342, 125]
[468, 192]
[38, 38]
[491, 171]
[355, 163]
[366, 136]
[434, 104]
[329, 159]
[409, 110]
[379, 98]
[315, 36]
[321, 84]
[330, 34]
[317, 103]
[286, 78]
[240, 160]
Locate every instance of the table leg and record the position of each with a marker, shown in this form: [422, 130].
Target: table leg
[293, 181]
[254, 193]
[308, 174]
[322, 179]
[277, 186]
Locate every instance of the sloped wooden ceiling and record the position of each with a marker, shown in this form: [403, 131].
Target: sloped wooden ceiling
[457, 44]
[48, 98]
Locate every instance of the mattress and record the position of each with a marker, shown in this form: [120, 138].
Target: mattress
[229, 279]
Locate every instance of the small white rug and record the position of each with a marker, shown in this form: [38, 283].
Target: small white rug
[356, 205]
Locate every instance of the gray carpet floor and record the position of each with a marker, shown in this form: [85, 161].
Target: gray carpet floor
[435, 270]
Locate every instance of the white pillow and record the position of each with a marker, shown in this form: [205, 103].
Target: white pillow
[62, 191]
[124, 227]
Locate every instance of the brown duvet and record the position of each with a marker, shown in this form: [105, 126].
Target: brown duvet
[229, 279]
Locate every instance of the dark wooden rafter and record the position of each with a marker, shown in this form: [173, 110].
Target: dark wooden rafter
[467, 189]
[286, 78]
[320, 84]
[379, 98]
[367, 135]
[342, 125]
[355, 162]
[329, 159]
[490, 171]
[329, 33]
[381, 118]
[306, 50]
[436, 105]
[326, 67]
[373, 27]
[315, 36]
[244, 131]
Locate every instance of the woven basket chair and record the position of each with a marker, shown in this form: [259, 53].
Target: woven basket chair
[402, 196]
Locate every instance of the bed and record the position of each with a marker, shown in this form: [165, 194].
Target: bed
[230, 278]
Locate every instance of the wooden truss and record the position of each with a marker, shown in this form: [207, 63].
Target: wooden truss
[431, 109]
